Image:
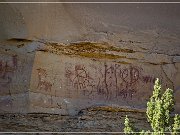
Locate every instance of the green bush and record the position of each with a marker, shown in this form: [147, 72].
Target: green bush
[158, 113]
[128, 127]
[176, 125]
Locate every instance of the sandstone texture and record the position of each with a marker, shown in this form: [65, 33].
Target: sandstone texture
[62, 58]
[88, 120]
[63, 79]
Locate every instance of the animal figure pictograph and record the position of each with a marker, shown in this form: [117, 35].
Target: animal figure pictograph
[43, 84]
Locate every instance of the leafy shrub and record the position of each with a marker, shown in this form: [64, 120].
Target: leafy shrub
[158, 113]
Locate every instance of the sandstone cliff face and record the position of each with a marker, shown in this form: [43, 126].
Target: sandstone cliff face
[63, 79]
[66, 57]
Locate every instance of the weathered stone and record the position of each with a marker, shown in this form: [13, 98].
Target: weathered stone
[176, 59]
[89, 120]
[58, 59]
[64, 79]
[44, 64]
[170, 71]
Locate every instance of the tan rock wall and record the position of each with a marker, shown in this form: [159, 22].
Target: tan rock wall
[15, 73]
[144, 45]
[66, 80]
[65, 84]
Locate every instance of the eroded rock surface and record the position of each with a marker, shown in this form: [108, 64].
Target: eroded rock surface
[62, 58]
[59, 78]
[88, 120]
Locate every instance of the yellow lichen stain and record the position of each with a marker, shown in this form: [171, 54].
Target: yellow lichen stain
[132, 58]
[161, 63]
[123, 62]
[88, 46]
[116, 109]
[101, 55]
[141, 55]
[88, 49]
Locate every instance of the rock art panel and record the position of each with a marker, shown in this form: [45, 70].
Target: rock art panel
[83, 82]
[15, 72]
[7, 68]
[80, 79]
[65, 84]
[110, 81]
[42, 82]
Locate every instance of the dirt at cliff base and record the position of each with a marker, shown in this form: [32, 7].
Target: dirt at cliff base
[87, 120]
